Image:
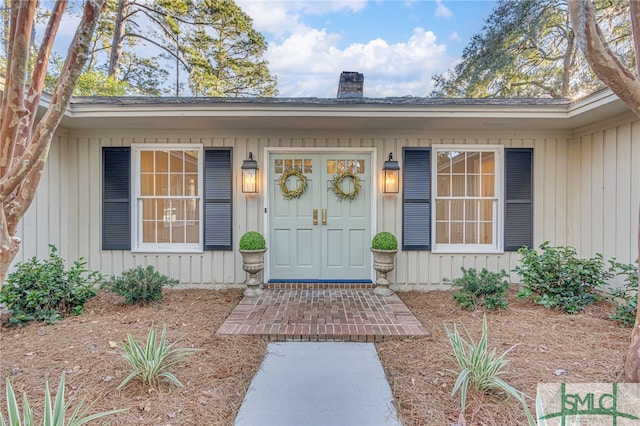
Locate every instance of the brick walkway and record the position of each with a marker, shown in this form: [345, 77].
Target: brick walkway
[315, 313]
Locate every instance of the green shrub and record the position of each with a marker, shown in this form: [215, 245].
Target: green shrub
[626, 297]
[54, 414]
[43, 290]
[487, 289]
[384, 241]
[480, 368]
[152, 364]
[557, 278]
[252, 240]
[139, 285]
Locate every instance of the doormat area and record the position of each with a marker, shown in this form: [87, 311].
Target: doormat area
[323, 314]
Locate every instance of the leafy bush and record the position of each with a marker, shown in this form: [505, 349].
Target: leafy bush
[626, 297]
[252, 240]
[557, 278]
[43, 290]
[480, 368]
[152, 363]
[384, 241]
[487, 289]
[139, 285]
[54, 414]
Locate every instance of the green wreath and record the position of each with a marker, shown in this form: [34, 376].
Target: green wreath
[336, 186]
[290, 194]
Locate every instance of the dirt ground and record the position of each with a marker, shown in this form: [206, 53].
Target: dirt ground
[584, 348]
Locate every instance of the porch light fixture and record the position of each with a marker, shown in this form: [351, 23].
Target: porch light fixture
[391, 171]
[249, 175]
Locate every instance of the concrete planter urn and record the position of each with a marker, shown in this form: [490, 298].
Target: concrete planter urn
[252, 248]
[384, 247]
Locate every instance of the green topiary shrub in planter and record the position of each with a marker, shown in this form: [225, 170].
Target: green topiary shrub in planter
[252, 240]
[384, 241]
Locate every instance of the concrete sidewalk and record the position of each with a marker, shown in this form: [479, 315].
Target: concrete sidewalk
[318, 384]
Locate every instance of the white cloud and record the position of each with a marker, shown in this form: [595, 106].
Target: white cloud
[455, 36]
[309, 64]
[442, 11]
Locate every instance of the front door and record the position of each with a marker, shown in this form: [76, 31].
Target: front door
[316, 235]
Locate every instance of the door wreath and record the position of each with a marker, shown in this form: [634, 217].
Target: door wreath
[336, 186]
[290, 194]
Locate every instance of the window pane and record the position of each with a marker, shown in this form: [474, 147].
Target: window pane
[331, 167]
[473, 185]
[471, 210]
[146, 161]
[177, 233]
[308, 166]
[149, 209]
[457, 189]
[488, 163]
[162, 184]
[457, 209]
[444, 163]
[444, 183]
[191, 161]
[162, 161]
[176, 162]
[486, 233]
[488, 186]
[442, 232]
[146, 184]
[457, 162]
[164, 232]
[457, 232]
[191, 185]
[177, 185]
[149, 231]
[471, 233]
[473, 162]
[486, 210]
[442, 209]
[278, 168]
[192, 232]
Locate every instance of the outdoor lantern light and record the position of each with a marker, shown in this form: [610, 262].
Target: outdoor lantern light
[249, 175]
[391, 175]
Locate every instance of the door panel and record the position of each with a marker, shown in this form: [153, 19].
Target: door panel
[335, 250]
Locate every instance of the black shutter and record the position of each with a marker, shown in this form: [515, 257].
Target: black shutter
[116, 199]
[518, 224]
[217, 199]
[416, 199]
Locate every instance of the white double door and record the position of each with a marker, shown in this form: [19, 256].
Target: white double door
[317, 236]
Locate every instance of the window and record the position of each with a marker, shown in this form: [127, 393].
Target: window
[167, 210]
[469, 202]
[166, 199]
[467, 198]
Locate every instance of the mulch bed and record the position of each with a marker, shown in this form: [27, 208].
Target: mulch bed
[582, 348]
[589, 347]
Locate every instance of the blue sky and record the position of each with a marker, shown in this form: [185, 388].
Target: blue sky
[397, 45]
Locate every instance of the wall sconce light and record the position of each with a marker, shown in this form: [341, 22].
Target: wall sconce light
[250, 175]
[391, 175]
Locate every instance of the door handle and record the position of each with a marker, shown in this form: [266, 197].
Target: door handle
[315, 216]
[324, 216]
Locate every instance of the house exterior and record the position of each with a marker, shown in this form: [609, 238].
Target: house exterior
[139, 181]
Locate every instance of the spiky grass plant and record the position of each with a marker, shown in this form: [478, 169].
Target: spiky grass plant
[480, 368]
[54, 414]
[153, 362]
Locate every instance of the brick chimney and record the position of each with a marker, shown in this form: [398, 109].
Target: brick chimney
[351, 85]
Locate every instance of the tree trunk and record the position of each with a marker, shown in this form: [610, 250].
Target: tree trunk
[626, 86]
[24, 149]
[118, 39]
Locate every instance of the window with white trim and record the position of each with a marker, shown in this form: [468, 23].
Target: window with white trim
[167, 191]
[467, 208]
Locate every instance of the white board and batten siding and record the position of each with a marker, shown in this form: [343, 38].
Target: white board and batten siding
[586, 194]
